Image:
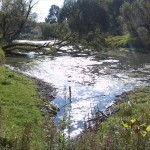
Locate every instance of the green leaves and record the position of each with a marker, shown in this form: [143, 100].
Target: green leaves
[136, 127]
[133, 120]
[125, 124]
[129, 124]
[148, 128]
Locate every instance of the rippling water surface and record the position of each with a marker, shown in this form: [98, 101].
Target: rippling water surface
[93, 81]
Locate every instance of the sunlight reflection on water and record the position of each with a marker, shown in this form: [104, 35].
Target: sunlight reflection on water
[92, 83]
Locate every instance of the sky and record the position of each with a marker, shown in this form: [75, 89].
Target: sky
[43, 6]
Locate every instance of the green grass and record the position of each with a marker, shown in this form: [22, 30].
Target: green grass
[118, 41]
[128, 129]
[127, 41]
[21, 121]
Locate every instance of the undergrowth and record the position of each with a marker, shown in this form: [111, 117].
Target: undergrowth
[128, 129]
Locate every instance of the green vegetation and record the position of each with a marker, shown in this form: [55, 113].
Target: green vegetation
[87, 25]
[96, 24]
[127, 129]
[118, 41]
[93, 24]
[2, 57]
[15, 16]
[21, 122]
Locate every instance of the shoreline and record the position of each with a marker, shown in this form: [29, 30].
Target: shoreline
[117, 128]
[92, 125]
[20, 111]
[46, 91]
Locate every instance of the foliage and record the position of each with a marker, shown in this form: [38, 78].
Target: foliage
[84, 16]
[21, 121]
[118, 41]
[32, 31]
[53, 14]
[134, 15]
[128, 129]
[14, 15]
[93, 41]
[52, 30]
[110, 17]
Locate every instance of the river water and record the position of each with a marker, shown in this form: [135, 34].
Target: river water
[93, 81]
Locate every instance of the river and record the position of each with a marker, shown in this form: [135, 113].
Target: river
[93, 81]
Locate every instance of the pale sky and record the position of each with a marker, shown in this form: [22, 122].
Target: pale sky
[43, 6]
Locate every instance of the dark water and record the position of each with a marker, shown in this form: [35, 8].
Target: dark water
[93, 81]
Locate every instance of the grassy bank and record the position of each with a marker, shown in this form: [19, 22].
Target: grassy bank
[21, 121]
[128, 129]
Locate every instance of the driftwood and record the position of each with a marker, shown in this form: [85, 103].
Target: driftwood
[92, 123]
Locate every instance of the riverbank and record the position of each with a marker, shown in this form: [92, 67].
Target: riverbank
[22, 121]
[111, 64]
[127, 129]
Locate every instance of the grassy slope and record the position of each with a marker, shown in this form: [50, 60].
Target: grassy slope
[20, 118]
[126, 129]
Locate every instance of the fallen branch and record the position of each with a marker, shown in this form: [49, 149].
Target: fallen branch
[25, 46]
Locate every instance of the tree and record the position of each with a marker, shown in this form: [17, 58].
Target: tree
[14, 15]
[53, 14]
[113, 11]
[135, 14]
[84, 16]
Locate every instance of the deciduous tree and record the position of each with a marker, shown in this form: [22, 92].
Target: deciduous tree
[14, 14]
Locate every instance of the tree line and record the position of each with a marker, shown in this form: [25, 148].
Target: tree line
[94, 21]
[89, 23]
